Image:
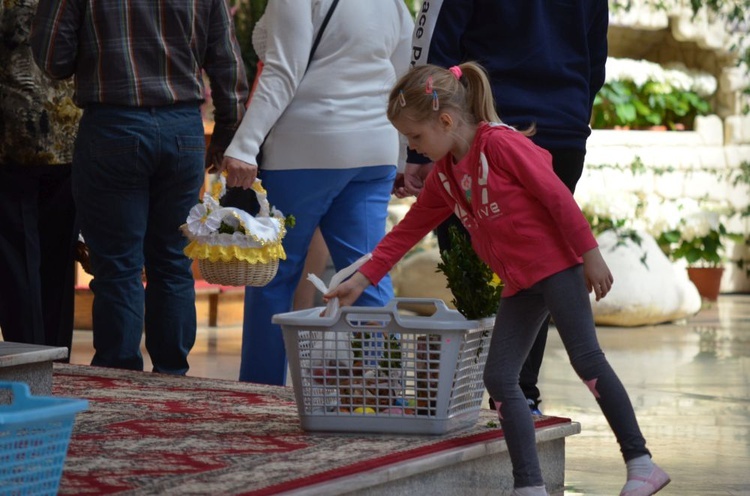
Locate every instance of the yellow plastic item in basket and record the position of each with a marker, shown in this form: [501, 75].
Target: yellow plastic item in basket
[232, 247]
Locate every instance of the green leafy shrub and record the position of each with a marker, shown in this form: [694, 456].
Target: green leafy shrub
[639, 94]
[476, 289]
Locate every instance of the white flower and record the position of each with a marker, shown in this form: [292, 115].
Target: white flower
[660, 216]
[613, 206]
[678, 78]
[697, 220]
[704, 84]
[638, 71]
[200, 222]
[699, 224]
[670, 77]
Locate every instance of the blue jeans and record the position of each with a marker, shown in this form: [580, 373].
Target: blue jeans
[351, 207]
[136, 174]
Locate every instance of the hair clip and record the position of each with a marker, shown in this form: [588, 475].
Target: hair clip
[456, 71]
[428, 85]
[435, 101]
[401, 98]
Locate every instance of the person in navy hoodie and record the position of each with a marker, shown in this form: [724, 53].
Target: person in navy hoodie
[545, 61]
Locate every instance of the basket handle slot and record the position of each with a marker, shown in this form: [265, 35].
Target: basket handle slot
[19, 391]
[391, 311]
[368, 320]
[441, 309]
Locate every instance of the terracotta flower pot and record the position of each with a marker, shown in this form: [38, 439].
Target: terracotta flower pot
[707, 280]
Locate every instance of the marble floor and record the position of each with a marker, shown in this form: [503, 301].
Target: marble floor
[689, 383]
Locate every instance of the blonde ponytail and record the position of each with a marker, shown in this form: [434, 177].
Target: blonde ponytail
[426, 90]
[429, 88]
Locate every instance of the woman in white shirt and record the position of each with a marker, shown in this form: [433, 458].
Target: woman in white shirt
[330, 154]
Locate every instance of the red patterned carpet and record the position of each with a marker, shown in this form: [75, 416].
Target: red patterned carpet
[148, 433]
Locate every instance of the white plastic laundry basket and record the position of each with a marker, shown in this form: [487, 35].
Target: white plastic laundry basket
[377, 370]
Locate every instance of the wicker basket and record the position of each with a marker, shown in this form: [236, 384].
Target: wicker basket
[253, 249]
[238, 272]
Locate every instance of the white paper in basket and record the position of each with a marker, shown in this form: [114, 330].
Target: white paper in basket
[333, 305]
[335, 345]
[265, 228]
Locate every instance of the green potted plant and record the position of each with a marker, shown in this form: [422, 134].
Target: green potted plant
[476, 289]
[734, 14]
[698, 241]
[639, 94]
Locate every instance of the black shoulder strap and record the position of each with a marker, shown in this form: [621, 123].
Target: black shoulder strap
[320, 32]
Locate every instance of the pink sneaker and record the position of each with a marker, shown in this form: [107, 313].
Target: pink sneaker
[652, 484]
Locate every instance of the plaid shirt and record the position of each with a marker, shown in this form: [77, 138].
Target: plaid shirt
[145, 53]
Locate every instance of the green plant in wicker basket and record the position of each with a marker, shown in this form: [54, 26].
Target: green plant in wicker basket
[476, 289]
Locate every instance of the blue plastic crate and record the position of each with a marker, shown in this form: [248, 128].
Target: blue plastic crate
[34, 436]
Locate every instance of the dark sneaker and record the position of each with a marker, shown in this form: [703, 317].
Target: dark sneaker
[534, 407]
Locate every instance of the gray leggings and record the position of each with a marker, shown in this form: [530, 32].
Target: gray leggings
[564, 297]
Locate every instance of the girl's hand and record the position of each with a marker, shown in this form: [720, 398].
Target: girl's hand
[348, 291]
[597, 274]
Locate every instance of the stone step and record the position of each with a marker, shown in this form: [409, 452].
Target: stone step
[30, 364]
[481, 468]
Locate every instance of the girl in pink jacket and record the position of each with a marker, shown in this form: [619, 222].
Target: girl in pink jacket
[525, 224]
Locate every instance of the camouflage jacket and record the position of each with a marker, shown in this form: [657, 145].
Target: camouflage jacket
[39, 119]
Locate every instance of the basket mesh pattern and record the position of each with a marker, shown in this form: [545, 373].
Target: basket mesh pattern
[238, 272]
[32, 456]
[372, 373]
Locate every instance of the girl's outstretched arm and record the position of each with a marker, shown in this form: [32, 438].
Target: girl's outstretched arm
[348, 291]
[597, 274]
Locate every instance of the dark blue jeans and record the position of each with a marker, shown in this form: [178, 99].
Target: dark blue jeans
[136, 174]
